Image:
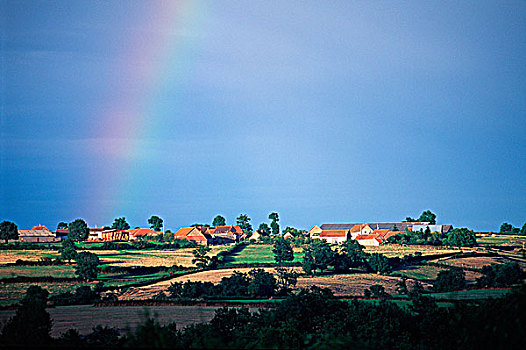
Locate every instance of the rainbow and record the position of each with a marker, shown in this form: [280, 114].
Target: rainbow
[155, 61]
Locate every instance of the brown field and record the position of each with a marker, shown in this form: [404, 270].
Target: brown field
[427, 272]
[215, 276]
[395, 250]
[476, 262]
[352, 284]
[10, 256]
[85, 317]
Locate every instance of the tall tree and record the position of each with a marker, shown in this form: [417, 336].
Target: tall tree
[427, 216]
[219, 221]
[62, 225]
[8, 230]
[282, 250]
[156, 223]
[243, 221]
[120, 224]
[87, 267]
[68, 251]
[523, 229]
[78, 230]
[274, 224]
[505, 227]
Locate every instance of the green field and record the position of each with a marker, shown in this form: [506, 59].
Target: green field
[473, 294]
[59, 271]
[257, 254]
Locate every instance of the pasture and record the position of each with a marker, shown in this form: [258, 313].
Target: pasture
[396, 250]
[259, 254]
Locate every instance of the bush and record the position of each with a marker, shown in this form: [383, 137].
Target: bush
[500, 275]
[450, 280]
[379, 263]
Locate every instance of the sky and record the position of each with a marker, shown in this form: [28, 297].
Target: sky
[322, 111]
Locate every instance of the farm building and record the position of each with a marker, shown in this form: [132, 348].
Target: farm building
[95, 234]
[115, 235]
[62, 233]
[360, 229]
[314, 231]
[288, 235]
[37, 234]
[334, 236]
[195, 235]
[369, 240]
[141, 233]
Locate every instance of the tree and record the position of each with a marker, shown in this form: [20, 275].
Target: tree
[120, 224]
[460, 237]
[379, 263]
[62, 225]
[274, 224]
[322, 254]
[287, 279]
[264, 229]
[243, 221]
[156, 223]
[219, 221]
[87, 266]
[523, 229]
[409, 219]
[450, 280]
[401, 286]
[200, 259]
[8, 230]
[262, 283]
[78, 230]
[355, 253]
[31, 324]
[68, 251]
[308, 265]
[282, 251]
[505, 227]
[428, 216]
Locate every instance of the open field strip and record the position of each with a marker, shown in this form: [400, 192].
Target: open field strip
[85, 317]
[351, 284]
[427, 272]
[395, 250]
[58, 271]
[259, 253]
[11, 256]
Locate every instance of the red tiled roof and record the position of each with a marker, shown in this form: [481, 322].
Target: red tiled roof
[333, 233]
[363, 237]
[382, 233]
[44, 228]
[182, 232]
[143, 232]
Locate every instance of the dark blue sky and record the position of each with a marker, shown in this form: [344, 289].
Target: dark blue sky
[321, 111]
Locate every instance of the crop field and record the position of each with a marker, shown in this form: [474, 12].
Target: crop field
[472, 294]
[350, 284]
[11, 293]
[429, 273]
[395, 250]
[59, 271]
[10, 256]
[259, 253]
[129, 317]
[502, 240]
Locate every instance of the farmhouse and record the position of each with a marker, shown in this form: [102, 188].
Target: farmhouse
[314, 231]
[360, 229]
[334, 236]
[62, 233]
[37, 234]
[141, 233]
[369, 240]
[194, 234]
[115, 235]
[95, 234]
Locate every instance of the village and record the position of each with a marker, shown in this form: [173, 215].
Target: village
[366, 234]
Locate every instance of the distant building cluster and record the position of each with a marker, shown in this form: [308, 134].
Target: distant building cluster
[205, 235]
[43, 234]
[370, 234]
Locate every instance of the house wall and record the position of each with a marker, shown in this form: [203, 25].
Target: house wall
[368, 242]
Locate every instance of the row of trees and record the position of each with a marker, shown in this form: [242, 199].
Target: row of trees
[507, 228]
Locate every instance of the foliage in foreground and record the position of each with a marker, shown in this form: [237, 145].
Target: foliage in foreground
[316, 319]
